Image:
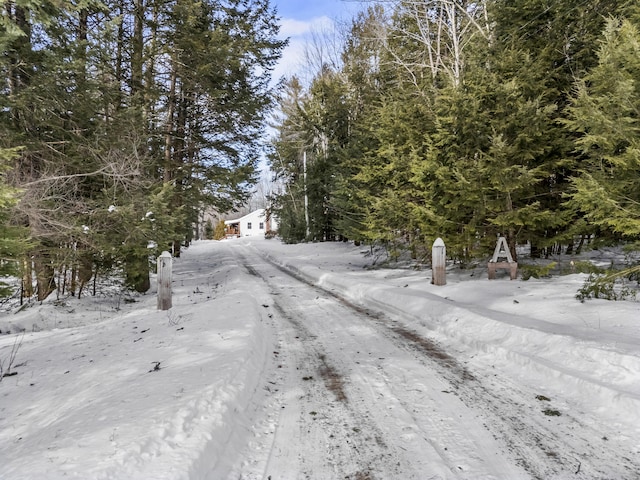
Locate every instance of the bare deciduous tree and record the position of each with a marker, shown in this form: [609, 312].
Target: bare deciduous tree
[443, 27]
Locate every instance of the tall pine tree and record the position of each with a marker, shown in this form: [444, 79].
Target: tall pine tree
[126, 107]
[605, 113]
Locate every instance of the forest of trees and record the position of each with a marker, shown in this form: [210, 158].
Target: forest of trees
[120, 121]
[466, 120]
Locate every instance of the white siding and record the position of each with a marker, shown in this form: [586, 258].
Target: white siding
[253, 224]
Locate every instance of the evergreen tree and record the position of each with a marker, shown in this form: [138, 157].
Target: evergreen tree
[286, 159]
[326, 113]
[141, 106]
[605, 113]
[219, 232]
[364, 78]
[446, 119]
[482, 164]
[544, 47]
[13, 238]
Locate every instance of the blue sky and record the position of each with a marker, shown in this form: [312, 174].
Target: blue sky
[309, 9]
[299, 18]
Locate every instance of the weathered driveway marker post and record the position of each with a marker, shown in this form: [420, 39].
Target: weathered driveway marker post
[164, 281]
[502, 251]
[439, 262]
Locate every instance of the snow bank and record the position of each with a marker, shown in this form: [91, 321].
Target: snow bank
[145, 394]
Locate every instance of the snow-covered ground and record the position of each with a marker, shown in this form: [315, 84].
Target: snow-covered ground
[107, 389]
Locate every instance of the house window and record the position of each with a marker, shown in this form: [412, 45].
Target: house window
[261, 226]
[248, 225]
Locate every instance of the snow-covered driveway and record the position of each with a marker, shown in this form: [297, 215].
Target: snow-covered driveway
[295, 362]
[360, 394]
[354, 397]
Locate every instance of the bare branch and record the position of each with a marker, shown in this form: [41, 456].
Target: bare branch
[445, 28]
[12, 358]
[56, 178]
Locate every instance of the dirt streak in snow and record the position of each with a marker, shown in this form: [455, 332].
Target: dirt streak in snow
[319, 416]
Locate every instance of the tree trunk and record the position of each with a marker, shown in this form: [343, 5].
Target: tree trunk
[511, 234]
[85, 272]
[19, 73]
[45, 275]
[535, 250]
[580, 245]
[72, 288]
[177, 246]
[168, 129]
[27, 278]
[570, 247]
[137, 47]
[83, 24]
[119, 67]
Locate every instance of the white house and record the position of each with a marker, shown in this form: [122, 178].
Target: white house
[253, 224]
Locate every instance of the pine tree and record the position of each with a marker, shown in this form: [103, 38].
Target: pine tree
[286, 158]
[124, 104]
[457, 134]
[605, 113]
[364, 79]
[13, 238]
[544, 47]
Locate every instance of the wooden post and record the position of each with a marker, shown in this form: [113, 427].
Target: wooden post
[164, 281]
[439, 262]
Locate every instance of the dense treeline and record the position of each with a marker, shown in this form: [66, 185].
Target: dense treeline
[120, 121]
[465, 120]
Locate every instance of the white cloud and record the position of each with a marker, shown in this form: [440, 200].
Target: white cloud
[291, 27]
[291, 61]
[300, 33]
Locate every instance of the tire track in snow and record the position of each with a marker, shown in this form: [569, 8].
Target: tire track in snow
[350, 445]
[387, 426]
[541, 444]
[325, 418]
